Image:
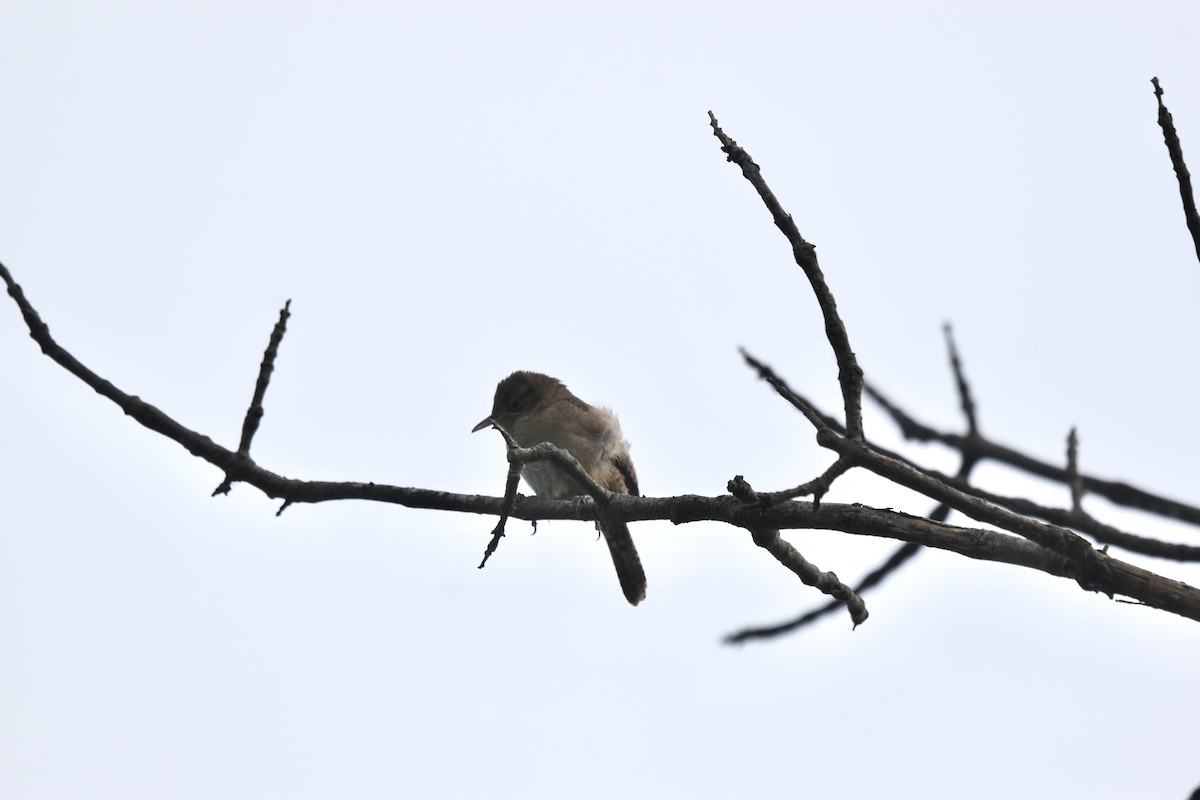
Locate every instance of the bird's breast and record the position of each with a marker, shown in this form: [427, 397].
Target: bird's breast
[547, 480]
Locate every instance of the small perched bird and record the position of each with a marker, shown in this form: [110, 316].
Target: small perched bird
[535, 408]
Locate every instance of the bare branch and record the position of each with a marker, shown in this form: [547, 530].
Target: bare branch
[898, 470]
[1074, 481]
[850, 375]
[1104, 573]
[1088, 566]
[790, 557]
[902, 471]
[1059, 540]
[1171, 139]
[817, 487]
[819, 421]
[982, 448]
[510, 497]
[1111, 575]
[892, 564]
[506, 508]
[254, 413]
[1074, 518]
[1077, 520]
[143, 412]
[960, 381]
[1046, 547]
[900, 557]
[826, 582]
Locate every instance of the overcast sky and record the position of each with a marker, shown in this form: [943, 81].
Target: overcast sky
[448, 192]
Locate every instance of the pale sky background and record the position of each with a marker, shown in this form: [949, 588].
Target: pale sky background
[451, 191]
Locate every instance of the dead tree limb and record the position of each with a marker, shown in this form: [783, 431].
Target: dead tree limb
[1175, 149]
[907, 551]
[1026, 535]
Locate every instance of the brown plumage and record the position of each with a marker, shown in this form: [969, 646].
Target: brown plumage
[535, 408]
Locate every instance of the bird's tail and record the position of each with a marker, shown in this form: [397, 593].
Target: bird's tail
[625, 559]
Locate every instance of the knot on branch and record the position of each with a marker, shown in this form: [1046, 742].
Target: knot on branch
[740, 488]
[1092, 571]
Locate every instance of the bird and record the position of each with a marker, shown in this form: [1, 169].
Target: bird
[534, 408]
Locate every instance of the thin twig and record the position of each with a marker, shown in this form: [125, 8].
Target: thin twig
[510, 496]
[897, 559]
[254, 413]
[965, 398]
[816, 488]
[1079, 520]
[1175, 149]
[787, 555]
[506, 509]
[810, 575]
[1074, 481]
[850, 375]
[982, 448]
[819, 421]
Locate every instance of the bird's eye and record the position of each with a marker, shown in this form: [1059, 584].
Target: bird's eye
[521, 401]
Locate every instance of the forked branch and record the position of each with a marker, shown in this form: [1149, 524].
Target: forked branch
[1030, 537]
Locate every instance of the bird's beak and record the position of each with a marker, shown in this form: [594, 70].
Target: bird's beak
[486, 423]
